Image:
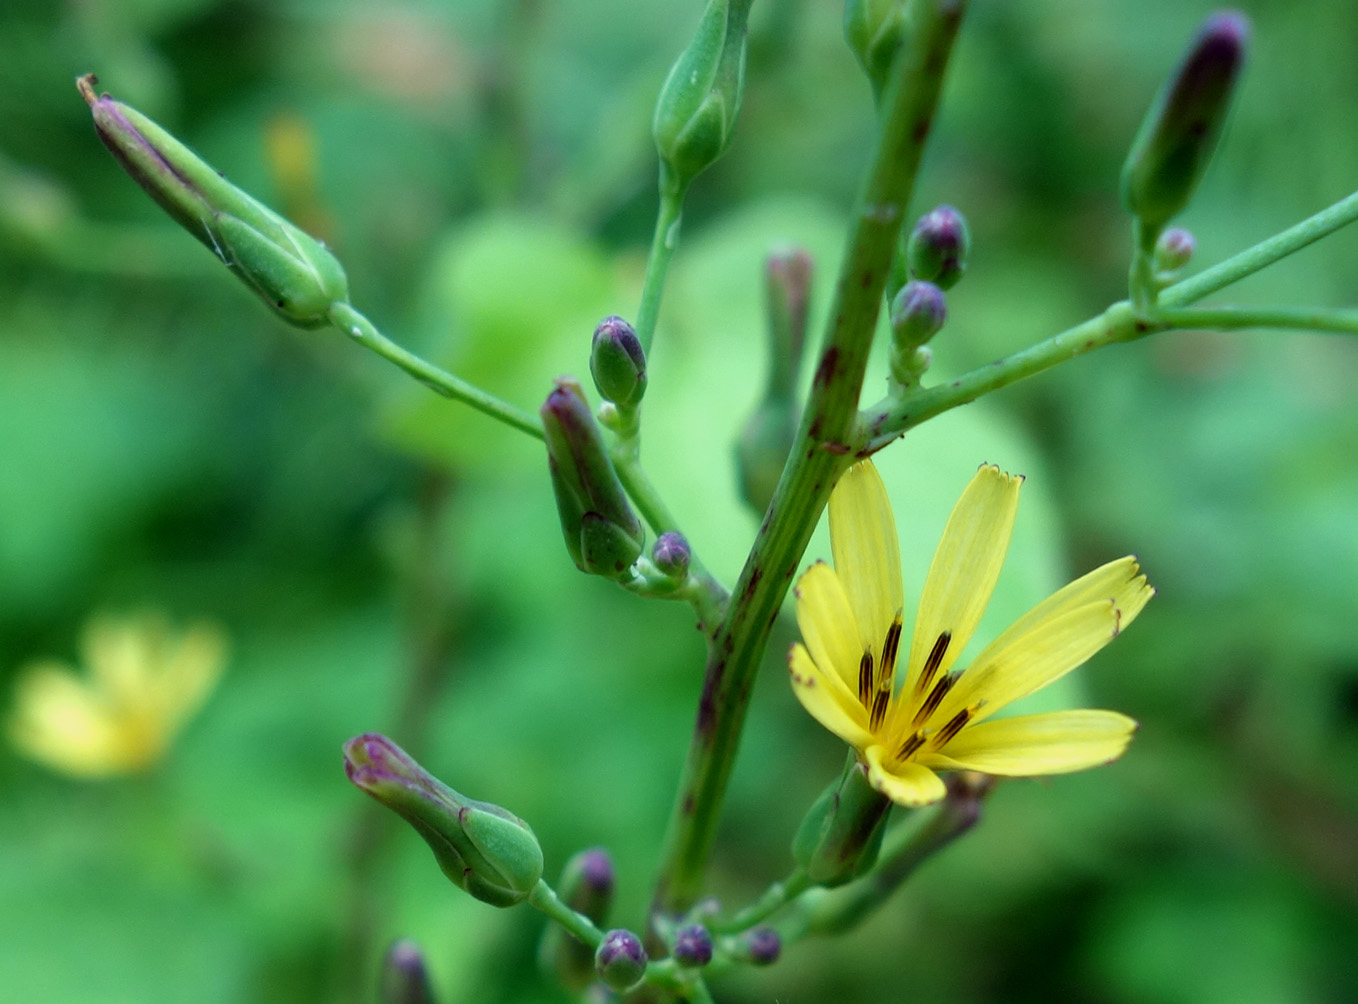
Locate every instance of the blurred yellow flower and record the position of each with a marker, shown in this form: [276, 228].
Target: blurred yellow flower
[851, 616]
[143, 681]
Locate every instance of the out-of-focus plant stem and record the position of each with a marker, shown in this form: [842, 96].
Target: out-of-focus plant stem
[663, 243]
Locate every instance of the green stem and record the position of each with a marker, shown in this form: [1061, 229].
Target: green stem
[544, 898]
[774, 899]
[363, 331]
[1296, 318]
[1263, 254]
[663, 242]
[817, 458]
[1141, 283]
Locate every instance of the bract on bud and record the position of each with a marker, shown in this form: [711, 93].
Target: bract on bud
[482, 848]
[917, 314]
[586, 886]
[938, 246]
[695, 115]
[841, 835]
[875, 30]
[1174, 250]
[692, 946]
[404, 979]
[618, 363]
[603, 534]
[293, 273]
[760, 946]
[620, 960]
[1181, 129]
[672, 555]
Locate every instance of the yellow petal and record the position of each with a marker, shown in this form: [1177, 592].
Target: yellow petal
[867, 553]
[1019, 663]
[827, 700]
[191, 668]
[828, 624]
[1054, 743]
[964, 570]
[1104, 582]
[58, 721]
[908, 784]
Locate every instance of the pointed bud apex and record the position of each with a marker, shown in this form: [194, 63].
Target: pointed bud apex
[480, 847]
[1174, 250]
[841, 835]
[938, 246]
[291, 272]
[404, 980]
[917, 314]
[875, 30]
[692, 946]
[620, 960]
[760, 946]
[696, 113]
[603, 535]
[787, 292]
[1180, 131]
[586, 886]
[618, 363]
[671, 555]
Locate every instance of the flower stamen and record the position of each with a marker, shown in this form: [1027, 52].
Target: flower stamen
[955, 725]
[931, 664]
[865, 679]
[935, 698]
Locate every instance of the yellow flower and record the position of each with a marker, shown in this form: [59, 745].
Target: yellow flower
[143, 683]
[851, 616]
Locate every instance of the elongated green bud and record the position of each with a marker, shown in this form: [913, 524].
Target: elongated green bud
[875, 30]
[480, 847]
[290, 271]
[603, 535]
[404, 979]
[618, 363]
[695, 115]
[586, 886]
[1181, 129]
[841, 835]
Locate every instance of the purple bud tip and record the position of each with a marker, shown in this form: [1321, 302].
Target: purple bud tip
[671, 554]
[618, 331]
[405, 955]
[1228, 28]
[620, 960]
[693, 946]
[919, 311]
[596, 869]
[763, 946]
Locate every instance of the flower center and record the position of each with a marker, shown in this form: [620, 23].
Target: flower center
[876, 676]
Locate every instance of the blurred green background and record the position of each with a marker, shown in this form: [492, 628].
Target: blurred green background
[484, 171]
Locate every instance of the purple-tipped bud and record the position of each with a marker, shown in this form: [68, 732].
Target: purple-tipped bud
[404, 979]
[603, 535]
[692, 946]
[1180, 132]
[671, 555]
[480, 847]
[938, 246]
[917, 313]
[761, 946]
[620, 960]
[1174, 249]
[586, 886]
[618, 363]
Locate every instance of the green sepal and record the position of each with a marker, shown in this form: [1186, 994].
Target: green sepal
[841, 834]
[875, 30]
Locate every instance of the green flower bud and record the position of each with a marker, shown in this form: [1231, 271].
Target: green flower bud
[938, 246]
[480, 847]
[1180, 131]
[671, 555]
[700, 99]
[620, 960]
[1174, 250]
[841, 835]
[290, 271]
[875, 30]
[603, 535]
[404, 979]
[760, 946]
[586, 886]
[618, 363]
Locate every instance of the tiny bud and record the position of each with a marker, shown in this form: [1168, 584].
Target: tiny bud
[603, 535]
[618, 363]
[841, 835]
[760, 946]
[1180, 132]
[671, 555]
[620, 960]
[917, 313]
[404, 979]
[586, 886]
[874, 30]
[696, 113]
[938, 246]
[293, 273]
[1174, 250]
[692, 946]
[480, 847]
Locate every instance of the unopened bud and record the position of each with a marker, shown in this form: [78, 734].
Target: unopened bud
[404, 979]
[620, 960]
[692, 946]
[586, 886]
[480, 847]
[762, 450]
[841, 835]
[672, 555]
[293, 273]
[695, 115]
[938, 246]
[760, 946]
[1181, 129]
[917, 314]
[1174, 250]
[603, 535]
[875, 30]
[618, 363]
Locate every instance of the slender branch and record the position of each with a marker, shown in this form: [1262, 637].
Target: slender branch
[363, 331]
[1296, 318]
[663, 243]
[815, 461]
[774, 899]
[544, 898]
[1263, 254]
